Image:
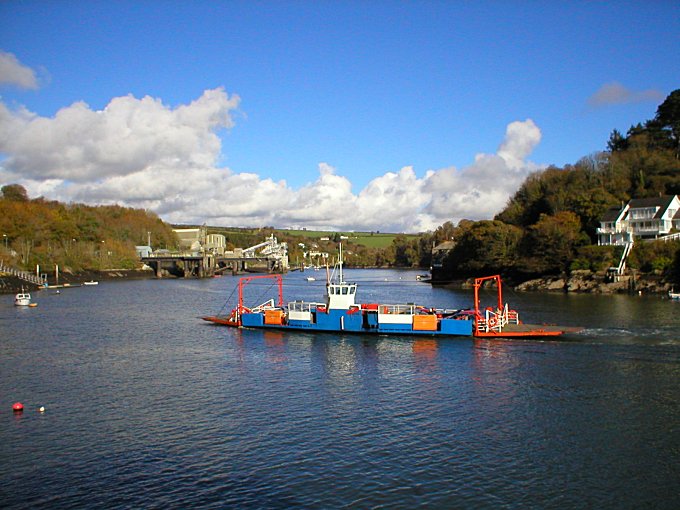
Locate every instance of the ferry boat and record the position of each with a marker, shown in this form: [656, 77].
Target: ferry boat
[339, 312]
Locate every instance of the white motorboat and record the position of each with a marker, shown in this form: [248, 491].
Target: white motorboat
[22, 299]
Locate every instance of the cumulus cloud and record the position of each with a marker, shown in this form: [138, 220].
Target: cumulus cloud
[13, 72]
[482, 189]
[129, 135]
[615, 93]
[143, 153]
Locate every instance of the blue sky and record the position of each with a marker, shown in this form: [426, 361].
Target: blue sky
[348, 103]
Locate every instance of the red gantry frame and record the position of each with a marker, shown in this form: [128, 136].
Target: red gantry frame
[492, 322]
[245, 281]
[504, 322]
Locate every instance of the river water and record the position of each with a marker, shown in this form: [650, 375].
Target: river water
[147, 406]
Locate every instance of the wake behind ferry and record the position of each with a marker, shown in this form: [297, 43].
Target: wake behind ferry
[339, 312]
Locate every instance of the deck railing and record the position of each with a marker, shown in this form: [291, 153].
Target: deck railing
[22, 275]
[669, 237]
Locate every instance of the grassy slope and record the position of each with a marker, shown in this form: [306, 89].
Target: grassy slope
[367, 239]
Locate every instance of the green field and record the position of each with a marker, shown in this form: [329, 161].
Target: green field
[246, 236]
[368, 239]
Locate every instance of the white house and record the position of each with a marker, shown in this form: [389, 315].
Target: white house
[640, 218]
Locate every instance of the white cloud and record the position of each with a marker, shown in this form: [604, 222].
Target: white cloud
[615, 93]
[482, 189]
[129, 135]
[520, 140]
[142, 153]
[13, 72]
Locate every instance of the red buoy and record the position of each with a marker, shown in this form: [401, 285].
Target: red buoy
[18, 407]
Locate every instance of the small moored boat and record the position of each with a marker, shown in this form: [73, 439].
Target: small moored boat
[22, 299]
[674, 295]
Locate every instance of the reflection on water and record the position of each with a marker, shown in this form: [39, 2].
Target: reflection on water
[147, 406]
[425, 359]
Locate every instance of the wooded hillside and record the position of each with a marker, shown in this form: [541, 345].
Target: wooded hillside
[75, 236]
[549, 226]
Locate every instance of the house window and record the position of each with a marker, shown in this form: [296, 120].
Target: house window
[642, 213]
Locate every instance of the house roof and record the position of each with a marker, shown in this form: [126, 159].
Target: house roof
[446, 245]
[661, 202]
[611, 214]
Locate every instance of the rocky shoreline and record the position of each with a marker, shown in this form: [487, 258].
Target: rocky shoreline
[585, 282]
[598, 283]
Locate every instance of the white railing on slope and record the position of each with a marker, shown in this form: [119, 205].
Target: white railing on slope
[669, 237]
[27, 276]
[622, 263]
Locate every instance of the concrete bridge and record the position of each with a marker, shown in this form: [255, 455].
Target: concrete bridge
[197, 265]
[185, 265]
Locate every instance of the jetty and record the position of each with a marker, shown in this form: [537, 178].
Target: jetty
[27, 276]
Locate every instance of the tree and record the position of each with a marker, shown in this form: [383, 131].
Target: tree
[14, 193]
[405, 251]
[483, 247]
[617, 142]
[552, 242]
[668, 119]
[675, 269]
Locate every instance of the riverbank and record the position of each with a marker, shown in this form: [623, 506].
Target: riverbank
[598, 283]
[577, 281]
[585, 282]
[10, 284]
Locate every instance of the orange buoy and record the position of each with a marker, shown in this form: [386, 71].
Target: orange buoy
[18, 407]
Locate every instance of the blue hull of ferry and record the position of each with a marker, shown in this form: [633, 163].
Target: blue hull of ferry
[361, 321]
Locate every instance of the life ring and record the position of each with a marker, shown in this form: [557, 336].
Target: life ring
[492, 322]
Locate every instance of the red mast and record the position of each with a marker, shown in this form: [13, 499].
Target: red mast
[477, 286]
